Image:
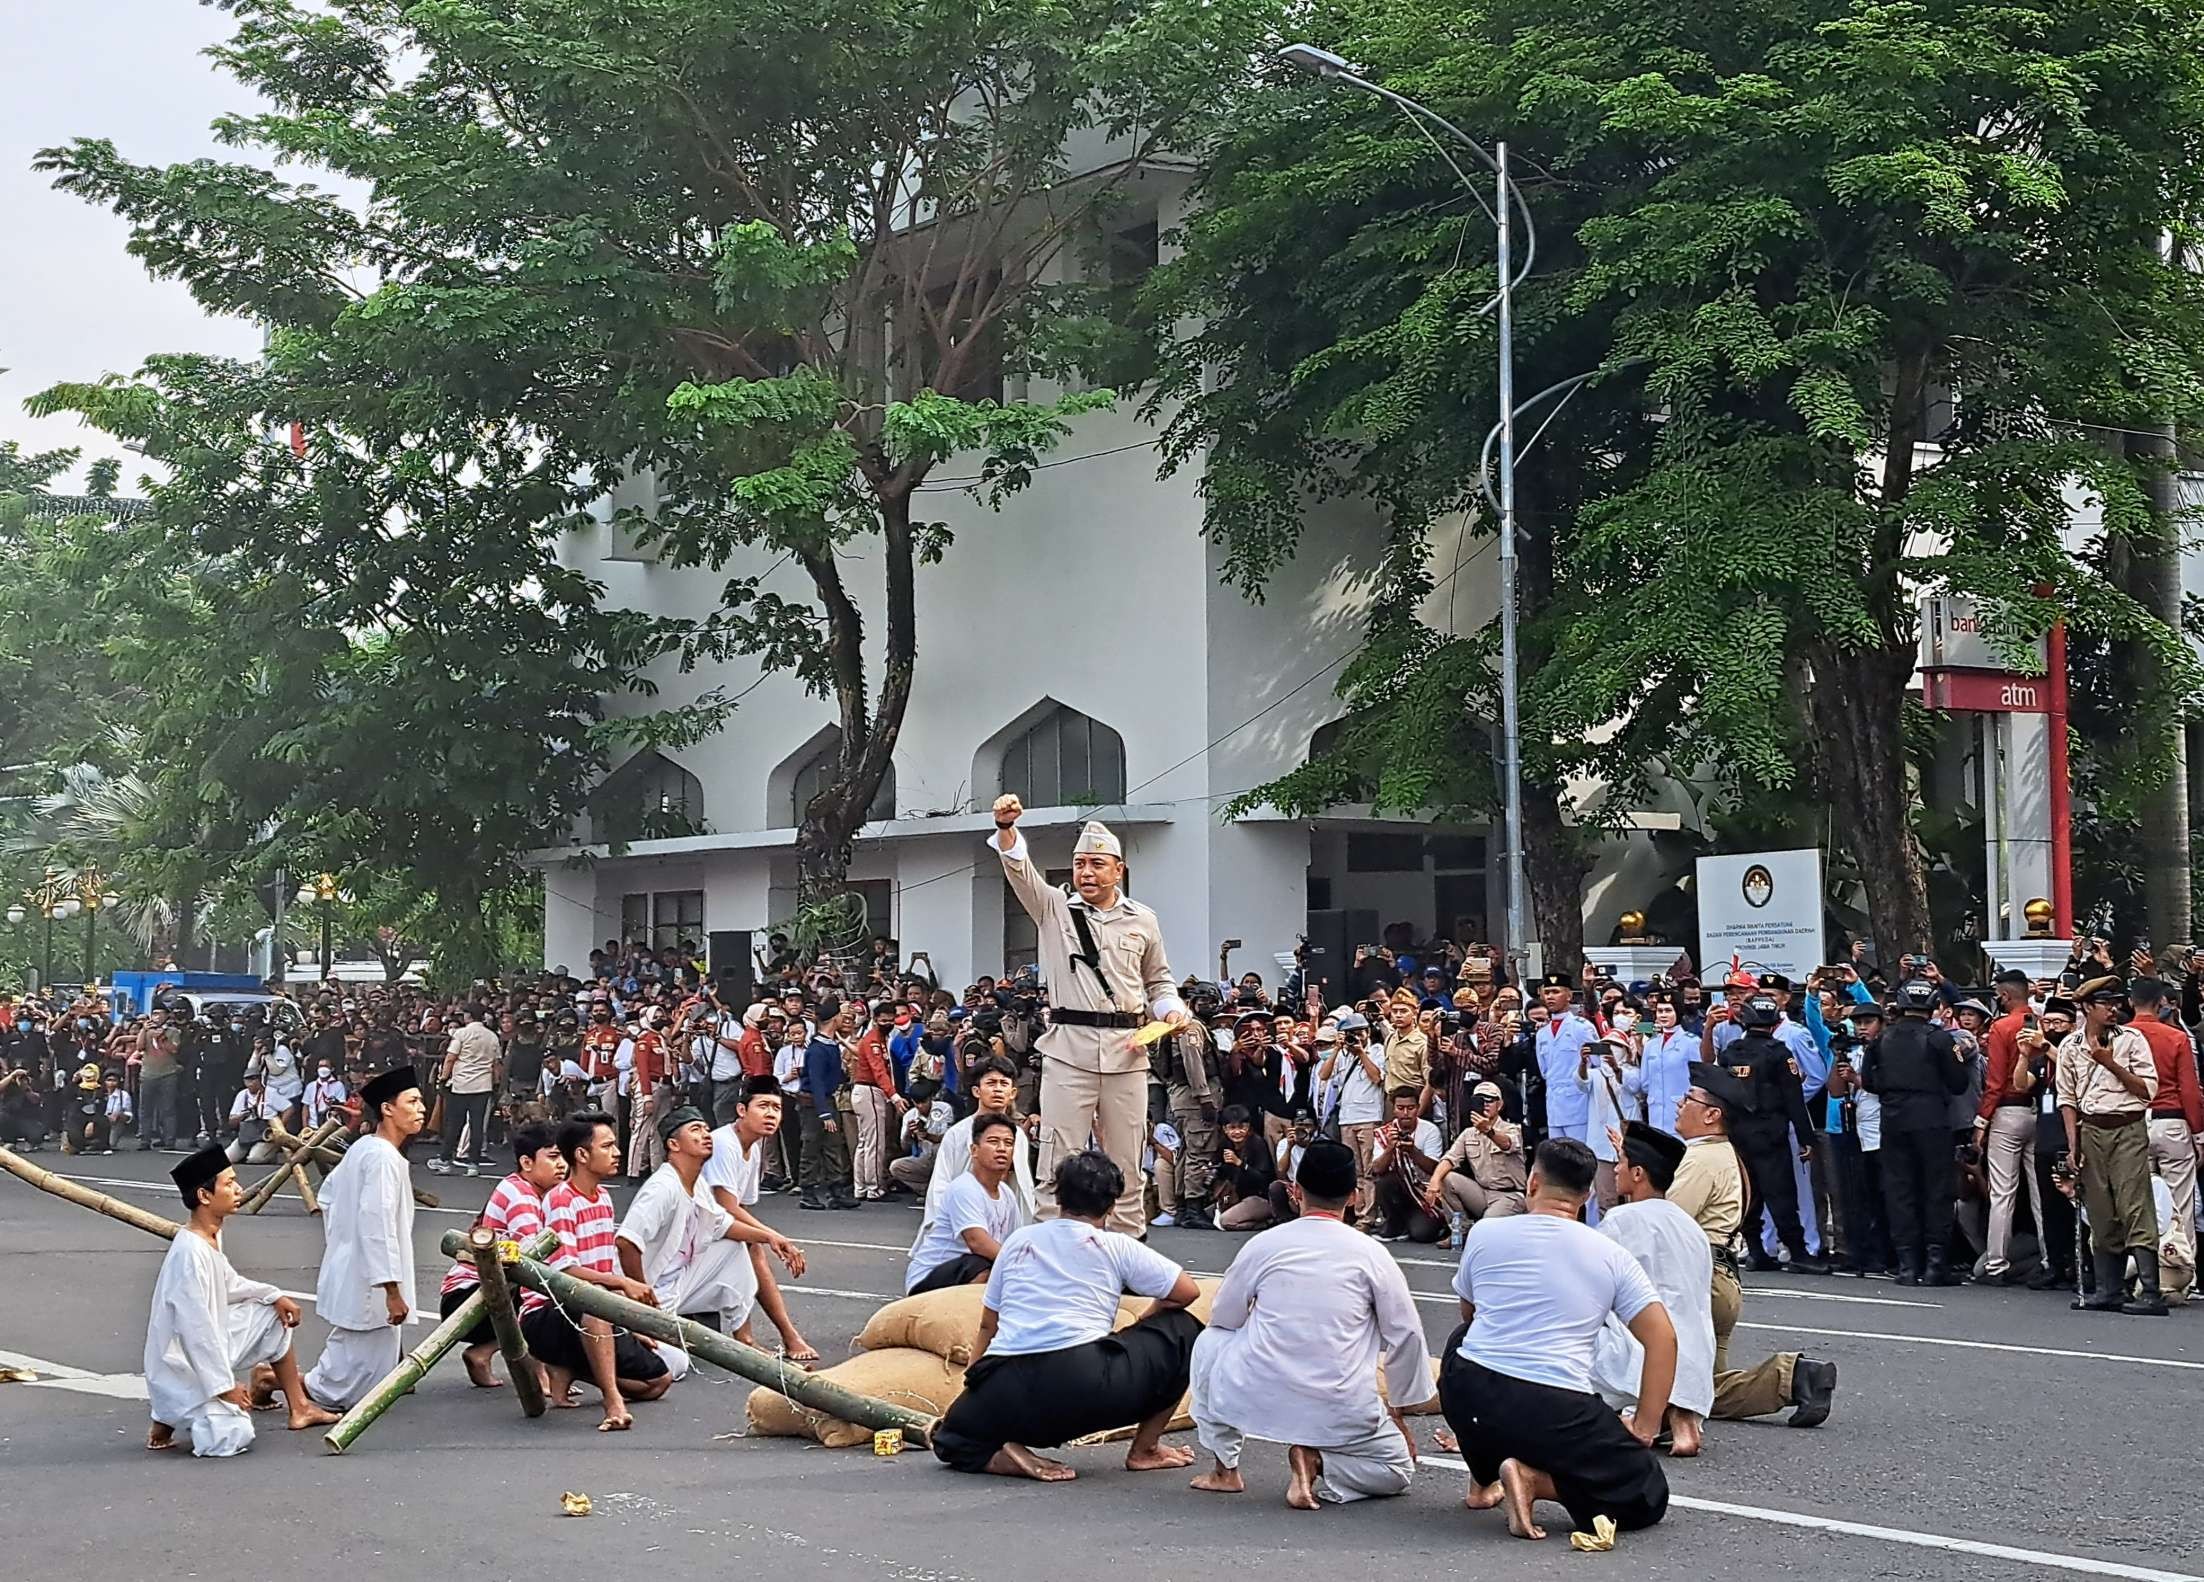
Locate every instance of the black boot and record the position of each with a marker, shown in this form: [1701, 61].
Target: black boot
[1803, 1262]
[1939, 1269]
[2049, 1278]
[2111, 1270]
[1813, 1387]
[2148, 1301]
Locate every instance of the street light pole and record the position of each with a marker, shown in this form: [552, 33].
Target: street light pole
[1507, 204]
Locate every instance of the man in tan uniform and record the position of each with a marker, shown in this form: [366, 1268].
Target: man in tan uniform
[1102, 955]
[2105, 1083]
[1710, 1187]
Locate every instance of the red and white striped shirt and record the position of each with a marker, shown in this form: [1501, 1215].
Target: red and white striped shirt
[514, 1211]
[586, 1227]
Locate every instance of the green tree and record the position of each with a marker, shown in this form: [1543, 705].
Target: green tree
[1797, 227]
[778, 261]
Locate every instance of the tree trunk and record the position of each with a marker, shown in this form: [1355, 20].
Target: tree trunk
[2154, 579]
[1857, 700]
[1555, 862]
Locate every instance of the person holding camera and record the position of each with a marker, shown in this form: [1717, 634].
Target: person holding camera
[1102, 955]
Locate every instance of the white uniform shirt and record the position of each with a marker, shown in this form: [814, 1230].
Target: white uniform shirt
[1675, 1255]
[1057, 1284]
[1543, 1289]
[965, 1206]
[367, 1222]
[1296, 1333]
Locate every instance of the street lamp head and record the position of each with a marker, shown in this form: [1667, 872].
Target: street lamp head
[16, 914]
[1317, 62]
[69, 908]
[305, 893]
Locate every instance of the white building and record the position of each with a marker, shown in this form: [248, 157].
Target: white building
[1077, 648]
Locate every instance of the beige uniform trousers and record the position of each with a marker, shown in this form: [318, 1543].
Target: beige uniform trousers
[2009, 1149]
[2173, 1156]
[1109, 1107]
[1756, 1391]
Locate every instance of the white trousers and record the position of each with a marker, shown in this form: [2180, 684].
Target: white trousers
[1366, 1467]
[721, 1279]
[223, 1428]
[2173, 1156]
[353, 1362]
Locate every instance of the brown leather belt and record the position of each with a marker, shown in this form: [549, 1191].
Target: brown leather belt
[2113, 1122]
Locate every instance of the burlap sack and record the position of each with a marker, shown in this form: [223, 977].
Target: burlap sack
[901, 1376]
[1428, 1408]
[945, 1323]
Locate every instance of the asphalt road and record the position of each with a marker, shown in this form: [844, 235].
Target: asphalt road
[1977, 1434]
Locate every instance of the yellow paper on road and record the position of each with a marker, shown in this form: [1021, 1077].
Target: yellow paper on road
[1149, 1034]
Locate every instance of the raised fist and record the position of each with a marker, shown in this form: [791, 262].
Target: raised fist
[1008, 809]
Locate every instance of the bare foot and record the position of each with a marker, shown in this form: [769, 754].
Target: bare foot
[1443, 1439]
[1515, 1486]
[1483, 1496]
[160, 1437]
[1306, 1466]
[1221, 1480]
[307, 1415]
[477, 1359]
[558, 1386]
[1015, 1461]
[1158, 1458]
[1684, 1430]
[616, 1421]
[263, 1388]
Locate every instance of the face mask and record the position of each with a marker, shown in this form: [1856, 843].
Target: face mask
[325, 1073]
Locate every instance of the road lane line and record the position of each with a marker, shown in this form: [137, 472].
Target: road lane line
[81, 1381]
[1906, 1535]
[1981, 1345]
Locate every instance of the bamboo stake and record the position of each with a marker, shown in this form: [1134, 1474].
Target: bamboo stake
[263, 1193]
[416, 1363]
[497, 1297]
[329, 1158]
[114, 1208]
[806, 1389]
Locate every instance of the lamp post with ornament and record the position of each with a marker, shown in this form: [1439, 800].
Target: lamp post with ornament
[323, 892]
[91, 896]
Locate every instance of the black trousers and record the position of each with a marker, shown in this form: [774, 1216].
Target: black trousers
[1598, 1466]
[1918, 1188]
[1860, 1191]
[1051, 1397]
[1399, 1214]
[1767, 1156]
[2058, 1230]
[964, 1269]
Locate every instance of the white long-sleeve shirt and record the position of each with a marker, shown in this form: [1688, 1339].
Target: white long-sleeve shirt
[190, 1349]
[367, 1223]
[1297, 1331]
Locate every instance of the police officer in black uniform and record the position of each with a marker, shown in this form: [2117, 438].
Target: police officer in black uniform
[1916, 1068]
[214, 1051]
[1762, 1134]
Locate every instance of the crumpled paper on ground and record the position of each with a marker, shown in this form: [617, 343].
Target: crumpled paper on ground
[1599, 1540]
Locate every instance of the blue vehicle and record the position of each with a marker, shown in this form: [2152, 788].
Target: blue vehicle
[136, 993]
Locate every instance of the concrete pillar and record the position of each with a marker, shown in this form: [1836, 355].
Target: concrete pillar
[2027, 813]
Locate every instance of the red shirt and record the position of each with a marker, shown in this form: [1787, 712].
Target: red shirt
[870, 1062]
[2003, 1037]
[585, 1227]
[650, 1063]
[757, 1060]
[600, 1046]
[514, 1212]
[2173, 1052]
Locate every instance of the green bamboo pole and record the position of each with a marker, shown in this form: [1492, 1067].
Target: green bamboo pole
[416, 1363]
[328, 1158]
[497, 1298]
[806, 1389]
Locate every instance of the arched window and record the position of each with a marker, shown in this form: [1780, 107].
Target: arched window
[650, 797]
[818, 771]
[1064, 759]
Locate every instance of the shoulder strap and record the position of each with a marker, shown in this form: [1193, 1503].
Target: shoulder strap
[1089, 955]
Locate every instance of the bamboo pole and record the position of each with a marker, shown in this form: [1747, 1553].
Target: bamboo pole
[416, 1363]
[497, 1298]
[807, 1389]
[263, 1193]
[329, 1158]
[114, 1208]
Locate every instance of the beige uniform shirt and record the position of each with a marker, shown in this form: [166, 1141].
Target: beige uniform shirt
[477, 1049]
[1129, 941]
[1710, 1187]
[1495, 1161]
[1407, 1061]
[2089, 1088]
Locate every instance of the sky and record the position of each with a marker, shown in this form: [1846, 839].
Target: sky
[73, 303]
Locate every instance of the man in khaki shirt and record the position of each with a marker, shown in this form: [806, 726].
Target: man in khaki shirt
[2105, 1082]
[1483, 1174]
[473, 1066]
[1710, 1187]
[1103, 986]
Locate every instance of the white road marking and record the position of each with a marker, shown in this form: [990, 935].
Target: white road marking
[162, 1189]
[82, 1381]
[1981, 1345]
[1758, 1291]
[1907, 1536]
